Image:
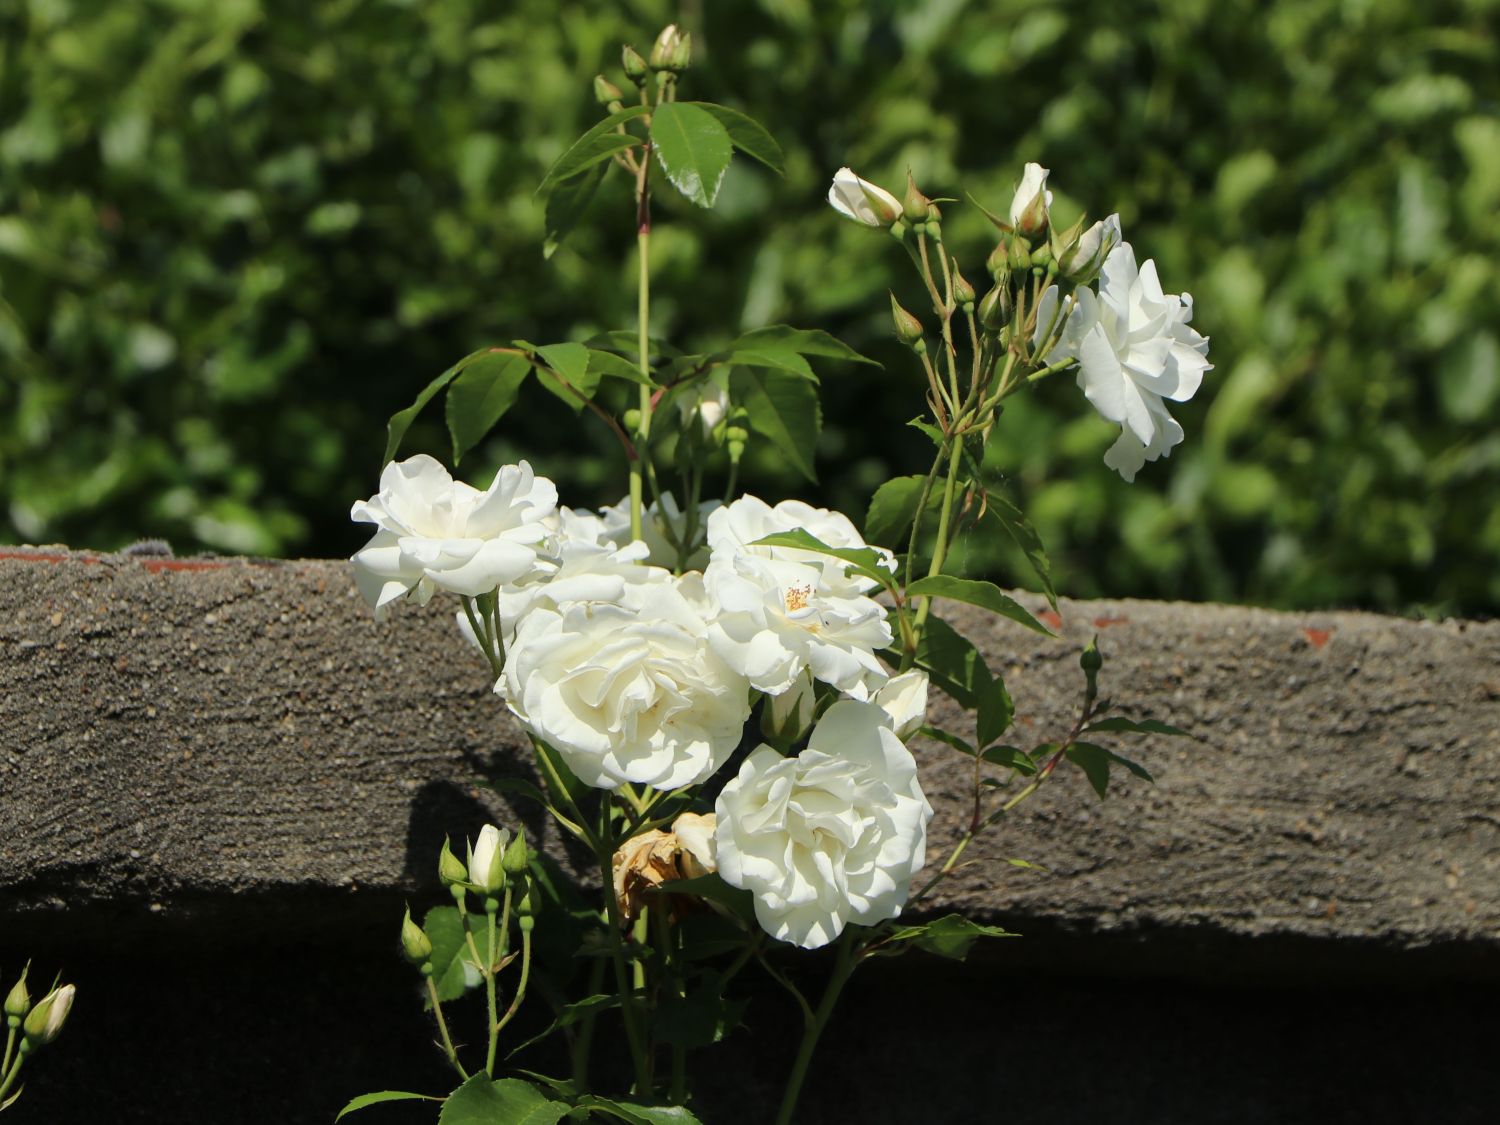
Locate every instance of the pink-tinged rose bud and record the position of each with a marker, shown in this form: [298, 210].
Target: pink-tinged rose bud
[1028, 208]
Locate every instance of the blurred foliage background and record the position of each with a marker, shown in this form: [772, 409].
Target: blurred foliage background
[236, 235]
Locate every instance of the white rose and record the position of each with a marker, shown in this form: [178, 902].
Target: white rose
[615, 528]
[435, 533]
[629, 695]
[863, 201]
[1135, 349]
[904, 699]
[830, 837]
[783, 610]
[582, 571]
[705, 400]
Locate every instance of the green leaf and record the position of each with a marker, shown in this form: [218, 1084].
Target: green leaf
[481, 394]
[1012, 757]
[445, 929]
[700, 1018]
[865, 561]
[1135, 726]
[712, 888]
[707, 933]
[950, 936]
[948, 738]
[401, 421]
[609, 365]
[598, 144]
[784, 410]
[571, 361]
[570, 1014]
[995, 712]
[1027, 539]
[693, 148]
[803, 341]
[509, 1101]
[973, 591]
[632, 1113]
[781, 359]
[1094, 762]
[952, 663]
[384, 1096]
[893, 508]
[626, 342]
[566, 204]
[746, 134]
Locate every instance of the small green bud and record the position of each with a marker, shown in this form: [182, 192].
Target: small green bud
[735, 449]
[527, 923]
[682, 54]
[994, 310]
[606, 91]
[1020, 256]
[934, 226]
[1090, 660]
[737, 433]
[635, 66]
[908, 327]
[415, 944]
[963, 292]
[526, 907]
[44, 1023]
[451, 869]
[516, 857]
[916, 206]
[898, 230]
[632, 420]
[664, 50]
[998, 263]
[18, 1001]
[1041, 257]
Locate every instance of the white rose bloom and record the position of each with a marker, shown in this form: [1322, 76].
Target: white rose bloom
[1135, 349]
[436, 533]
[628, 693]
[615, 524]
[830, 837]
[782, 610]
[863, 201]
[904, 699]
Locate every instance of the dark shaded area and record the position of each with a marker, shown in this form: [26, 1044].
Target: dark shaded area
[248, 1036]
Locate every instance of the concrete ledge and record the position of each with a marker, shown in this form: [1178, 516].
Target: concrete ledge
[213, 746]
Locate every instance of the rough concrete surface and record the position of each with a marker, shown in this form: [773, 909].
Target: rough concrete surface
[220, 779]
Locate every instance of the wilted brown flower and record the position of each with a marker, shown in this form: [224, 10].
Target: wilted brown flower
[645, 862]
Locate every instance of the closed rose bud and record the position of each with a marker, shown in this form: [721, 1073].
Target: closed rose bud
[415, 944]
[606, 92]
[18, 1000]
[998, 263]
[994, 310]
[486, 861]
[963, 292]
[45, 1022]
[786, 717]
[635, 66]
[908, 327]
[682, 54]
[916, 206]
[863, 201]
[1080, 259]
[451, 869]
[665, 47]
[516, 857]
[1028, 207]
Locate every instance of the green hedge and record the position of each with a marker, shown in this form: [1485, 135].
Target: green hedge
[235, 236]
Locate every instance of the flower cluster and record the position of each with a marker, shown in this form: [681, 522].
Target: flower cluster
[1130, 341]
[638, 676]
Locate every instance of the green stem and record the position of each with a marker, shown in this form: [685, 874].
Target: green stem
[940, 551]
[10, 1046]
[489, 992]
[643, 321]
[842, 969]
[10, 1075]
[437, 1009]
[583, 1043]
[520, 995]
[604, 856]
